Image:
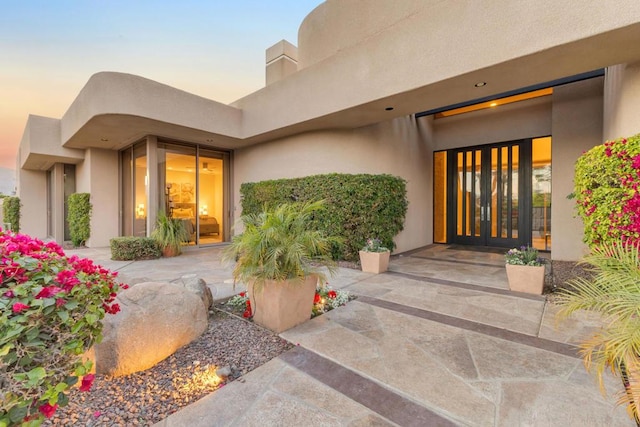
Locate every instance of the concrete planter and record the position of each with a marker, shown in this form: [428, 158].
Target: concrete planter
[374, 262]
[526, 278]
[281, 305]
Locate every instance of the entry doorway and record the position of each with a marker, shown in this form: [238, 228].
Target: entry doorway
[495, 195]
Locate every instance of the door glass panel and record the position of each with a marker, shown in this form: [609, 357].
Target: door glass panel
[495, 177]
[126, 165]
[459, 194]
[140, 180]
[515, 155]
[177, 182]
[210, 197]
[504, 192]
[440, 197]
[477, 180]
[541, 194]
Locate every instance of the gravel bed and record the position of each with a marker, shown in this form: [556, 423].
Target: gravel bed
[144, 398]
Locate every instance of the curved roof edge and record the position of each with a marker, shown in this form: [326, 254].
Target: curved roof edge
[113, 93]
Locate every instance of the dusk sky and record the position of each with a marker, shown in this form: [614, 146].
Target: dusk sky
[212, 48]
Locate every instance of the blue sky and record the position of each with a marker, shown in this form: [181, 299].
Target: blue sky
[49, 49]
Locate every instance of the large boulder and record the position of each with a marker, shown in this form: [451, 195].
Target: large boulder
[155, 319]
[194, 284]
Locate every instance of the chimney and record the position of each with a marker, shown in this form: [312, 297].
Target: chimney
[282, 60]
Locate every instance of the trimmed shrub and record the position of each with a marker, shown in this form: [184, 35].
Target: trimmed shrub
[358, 207]
[606, 190]
[79, 218]
[134, 248]
[51, 311]
[11, 212]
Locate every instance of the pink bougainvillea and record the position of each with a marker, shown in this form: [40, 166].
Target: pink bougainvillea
[51, 307]
[606, 190]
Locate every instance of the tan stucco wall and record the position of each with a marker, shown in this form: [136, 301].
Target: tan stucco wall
[98, 175]
[32, 190]
[622, 101]
[525, 119]
[41, 147]
[394, 147]
[577, 126]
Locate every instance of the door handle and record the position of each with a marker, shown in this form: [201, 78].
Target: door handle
[481, 213]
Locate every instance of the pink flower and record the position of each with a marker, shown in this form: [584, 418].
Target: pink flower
[19, 307]
[87, 380]
[9, 294]
[60, 302]
[48, 292]
[96, 414]
[607, 152]
[47, 410]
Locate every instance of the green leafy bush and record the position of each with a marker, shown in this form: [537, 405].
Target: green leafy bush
[357, 207]
[79, 218]
[51, 309]
[11, 212]
[606, 190]
[134, 248]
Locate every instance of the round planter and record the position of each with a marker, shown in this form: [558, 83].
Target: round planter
[525, 278]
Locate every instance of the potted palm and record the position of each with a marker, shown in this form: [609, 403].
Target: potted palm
[170, 234]
[525, 270]
[613, 290]
[374, 258]
[279, 256]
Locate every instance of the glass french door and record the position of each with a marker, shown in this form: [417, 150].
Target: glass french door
[491, 194]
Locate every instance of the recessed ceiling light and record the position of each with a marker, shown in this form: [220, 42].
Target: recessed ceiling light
[480, 84]
[388, 109]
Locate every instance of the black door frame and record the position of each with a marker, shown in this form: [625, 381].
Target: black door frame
[524, 196]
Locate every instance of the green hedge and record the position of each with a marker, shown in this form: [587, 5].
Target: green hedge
[357, 206]
[79, 218]
[11, 212]
[134, 248]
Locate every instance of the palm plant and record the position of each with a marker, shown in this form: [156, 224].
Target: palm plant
[614, 292]
[170, 234]
[281, 244]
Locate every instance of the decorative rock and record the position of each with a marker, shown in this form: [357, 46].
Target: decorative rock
[224, 372]
[155, 320]
[198, 286]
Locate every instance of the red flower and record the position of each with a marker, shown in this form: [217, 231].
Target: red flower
[332, 294]
[9, 294]
[87, 380]
[48, 292]
[60, 302]
[19, 307]
[247, 313]
[48, 410]
[242, 294]
[316, 299]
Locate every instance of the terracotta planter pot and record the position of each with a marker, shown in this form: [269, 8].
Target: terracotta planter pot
[169, 252]
[526, 278]
[374, 262]
[281, 305]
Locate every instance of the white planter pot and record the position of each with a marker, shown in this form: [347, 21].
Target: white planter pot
[526, 278]
[374, 262]
[280, 305]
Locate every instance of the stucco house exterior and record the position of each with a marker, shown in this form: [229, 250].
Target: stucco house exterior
[482, 106]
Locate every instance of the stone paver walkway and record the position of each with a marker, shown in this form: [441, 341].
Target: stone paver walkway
[436, 341]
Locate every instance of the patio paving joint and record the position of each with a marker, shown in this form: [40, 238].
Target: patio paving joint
[492, 331]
